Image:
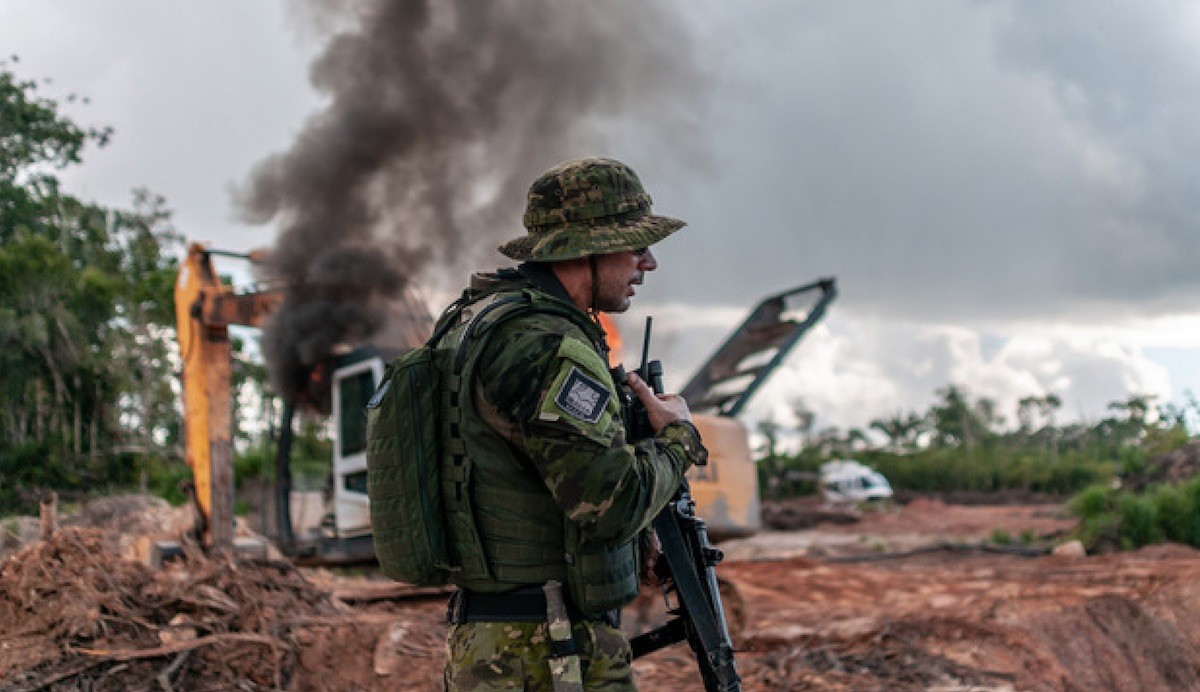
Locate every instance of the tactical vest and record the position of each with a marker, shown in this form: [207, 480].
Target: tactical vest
[504, 527]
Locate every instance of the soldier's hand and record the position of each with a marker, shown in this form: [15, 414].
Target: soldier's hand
[661, 409]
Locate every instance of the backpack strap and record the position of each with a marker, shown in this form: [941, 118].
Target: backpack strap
[457, 467]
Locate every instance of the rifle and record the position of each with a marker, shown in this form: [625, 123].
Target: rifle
[690, 565]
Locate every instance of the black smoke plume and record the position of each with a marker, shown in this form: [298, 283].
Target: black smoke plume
[439, 115]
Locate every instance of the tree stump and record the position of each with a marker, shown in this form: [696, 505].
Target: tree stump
[49, 515]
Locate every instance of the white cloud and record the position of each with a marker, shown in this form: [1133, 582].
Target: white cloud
[850, 371]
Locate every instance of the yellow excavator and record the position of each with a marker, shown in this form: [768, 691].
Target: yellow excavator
[726, 491]
[205, 308]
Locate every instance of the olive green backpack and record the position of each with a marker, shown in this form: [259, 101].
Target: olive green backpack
[405, 446]
[404, 453]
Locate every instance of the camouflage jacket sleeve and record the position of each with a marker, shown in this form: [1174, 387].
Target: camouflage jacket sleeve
[550, 393]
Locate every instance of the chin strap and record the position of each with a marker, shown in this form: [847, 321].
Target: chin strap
[593, 311]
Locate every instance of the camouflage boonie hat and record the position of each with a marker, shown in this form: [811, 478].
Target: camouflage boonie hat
[587, 207]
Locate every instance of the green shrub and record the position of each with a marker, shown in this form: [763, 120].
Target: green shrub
[1139, 521]
[1095, 500]
[1001, 537]
[1100, 532]
[1126, 520]
[1165, 440]
[164, 481]
[989, 469]
[252, 464]
[1176, 514]
[1190, 524]
[1133, 460]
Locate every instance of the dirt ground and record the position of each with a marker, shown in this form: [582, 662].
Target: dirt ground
[903, 599]
[895, 528]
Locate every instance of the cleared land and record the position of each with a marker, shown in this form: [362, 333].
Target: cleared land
[901, 599]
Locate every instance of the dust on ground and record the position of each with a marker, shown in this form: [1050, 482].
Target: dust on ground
[77, 613]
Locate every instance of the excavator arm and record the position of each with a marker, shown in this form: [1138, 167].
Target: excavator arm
[204, 309]
[731, 376]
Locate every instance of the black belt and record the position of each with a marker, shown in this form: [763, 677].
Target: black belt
[524, 604]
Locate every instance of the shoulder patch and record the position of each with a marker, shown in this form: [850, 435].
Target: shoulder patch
[582, 397]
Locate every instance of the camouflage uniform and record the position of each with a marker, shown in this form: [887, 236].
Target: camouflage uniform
[485, 656]
[542, 383]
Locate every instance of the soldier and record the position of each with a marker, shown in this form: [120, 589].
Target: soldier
[556, 493]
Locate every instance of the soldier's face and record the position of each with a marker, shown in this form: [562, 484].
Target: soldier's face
[618, 273]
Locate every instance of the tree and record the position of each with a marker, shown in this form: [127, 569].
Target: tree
[902, 431]
[1136, 408]
[85, 312]
[1037, 412]
[1186, 416]
[958, 422]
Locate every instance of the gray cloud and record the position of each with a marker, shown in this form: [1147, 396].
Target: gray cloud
[957, 161]
[968, 164]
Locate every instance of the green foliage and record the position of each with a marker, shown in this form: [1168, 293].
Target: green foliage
[312, 454]
[960, 445]
[1093, 501]
[993, 468]
[1132, 460]
[1139, 521]
[1178, 510]
[310, 460]
[948, 469]
[165, 479]
[1164, 439]
[1112, 519]
[1100, 532]
[959, 422]
[902, 431]
[33, 137]
[86, 315]
[254, 463]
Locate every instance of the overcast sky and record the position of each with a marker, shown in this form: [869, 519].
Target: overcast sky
[1006, 191]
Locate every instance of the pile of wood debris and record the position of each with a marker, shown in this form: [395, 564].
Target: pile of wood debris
[80, 610]
[75, 615]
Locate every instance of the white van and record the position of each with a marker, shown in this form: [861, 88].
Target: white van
[848, 480]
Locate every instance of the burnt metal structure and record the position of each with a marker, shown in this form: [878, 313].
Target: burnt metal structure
[731, 376]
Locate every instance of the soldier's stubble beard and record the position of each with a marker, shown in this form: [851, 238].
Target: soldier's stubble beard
[615, 277]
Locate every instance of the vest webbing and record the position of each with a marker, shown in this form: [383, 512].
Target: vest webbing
[505, 528]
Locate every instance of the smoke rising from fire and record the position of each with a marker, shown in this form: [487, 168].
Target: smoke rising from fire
[439, 116]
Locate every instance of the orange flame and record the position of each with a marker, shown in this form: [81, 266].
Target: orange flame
[616, 347]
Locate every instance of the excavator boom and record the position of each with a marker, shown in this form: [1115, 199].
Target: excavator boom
[204, 309]
[731, 376]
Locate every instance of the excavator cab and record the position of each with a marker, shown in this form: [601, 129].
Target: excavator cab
[353, 383]
[344, 532]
